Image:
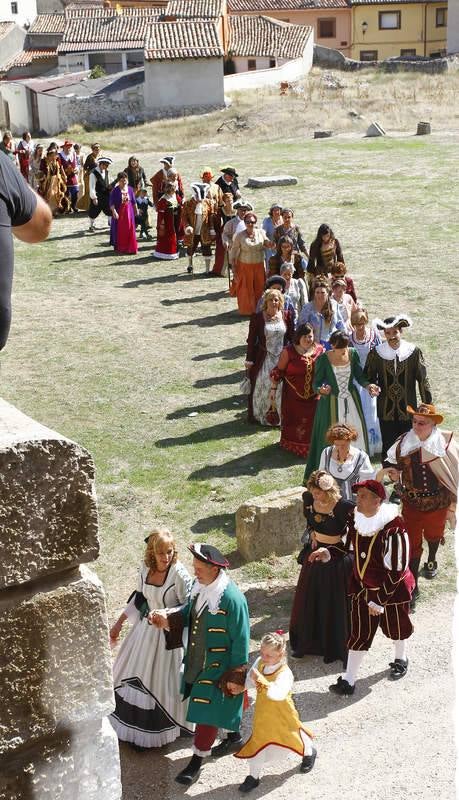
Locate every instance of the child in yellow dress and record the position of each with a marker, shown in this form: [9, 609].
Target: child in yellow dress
[276, 724]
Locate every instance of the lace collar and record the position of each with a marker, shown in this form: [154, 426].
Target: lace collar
[210, 595]
[434, 445]
[389, 354]
[368, 526]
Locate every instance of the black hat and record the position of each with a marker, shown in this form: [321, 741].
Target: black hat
[276, 279]
[208, 555]
[400, 321]
[200, 190]
[229, 171]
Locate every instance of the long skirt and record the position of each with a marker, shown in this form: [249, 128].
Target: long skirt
[319, 624]
[123, 236]
[371, 419]
[297, 419]
[250, 284]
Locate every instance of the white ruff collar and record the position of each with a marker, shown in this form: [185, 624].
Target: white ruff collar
[211, 594]
[434, 445]
[368, 526]
[402, 353]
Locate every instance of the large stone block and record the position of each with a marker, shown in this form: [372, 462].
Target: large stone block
[55, 664]
[48, 506]
[271, 180]
[272, 523]
[77, 763]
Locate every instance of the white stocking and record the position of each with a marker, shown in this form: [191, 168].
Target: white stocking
[207, 264]
[307, 744]
[400, 648]
[256, 764]
[354, 659]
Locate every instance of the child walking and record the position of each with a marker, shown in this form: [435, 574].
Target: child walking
[276, 724]
[143, 204]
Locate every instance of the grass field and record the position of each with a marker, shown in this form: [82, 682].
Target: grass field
[141, 363]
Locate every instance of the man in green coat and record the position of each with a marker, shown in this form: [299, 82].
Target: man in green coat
[217, 653]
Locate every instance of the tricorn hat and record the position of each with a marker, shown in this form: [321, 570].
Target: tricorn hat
[373, 486]
[200, 190]
[400, 321]
[428, 411]
[208, 555]
[242, 204]
[104, 160]
[169, 160]
[229, 171]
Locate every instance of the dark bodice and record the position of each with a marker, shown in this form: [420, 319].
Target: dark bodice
[332, 524]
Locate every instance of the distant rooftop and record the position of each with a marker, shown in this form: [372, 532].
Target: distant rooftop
[25, 57]
[48, 23]
[265, 6]
[195, 9]
[5, 28]
[259, 36]
[106, 29]
[182, 39]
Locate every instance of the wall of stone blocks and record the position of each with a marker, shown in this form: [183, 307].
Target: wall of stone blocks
[55, 666]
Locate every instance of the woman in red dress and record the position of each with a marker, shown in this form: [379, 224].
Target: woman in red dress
[124, 209]
[299, 401]
[166, 235]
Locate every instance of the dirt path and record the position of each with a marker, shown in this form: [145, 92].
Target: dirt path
[390, 741]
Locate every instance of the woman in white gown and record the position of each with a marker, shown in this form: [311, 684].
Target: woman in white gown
[345, 462]
[364, 338]
[149, 708]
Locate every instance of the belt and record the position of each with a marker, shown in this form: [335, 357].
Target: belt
[414, 493]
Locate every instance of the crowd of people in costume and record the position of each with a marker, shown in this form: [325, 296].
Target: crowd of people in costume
[353, 402]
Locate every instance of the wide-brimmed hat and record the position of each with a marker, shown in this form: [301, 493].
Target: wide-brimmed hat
[428, 411]
[104, 160]
[373, 486]
[208, 555]
[67, 143]
[229, 171]
[400, 321]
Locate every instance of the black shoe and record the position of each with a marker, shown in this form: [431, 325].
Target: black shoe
[398, 669]
[226, 747]
[249, 784]
[189, 270]
[296, 654]
[413, 604]
[191, 772]
[308, 761]
[430, 569]
[342, 687]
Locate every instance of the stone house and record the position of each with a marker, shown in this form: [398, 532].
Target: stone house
[109, 37]
[37, 55]
[386, 28]
[330, 19]
[12, 39]
[183, 67]
[259, 43]
[453, 28]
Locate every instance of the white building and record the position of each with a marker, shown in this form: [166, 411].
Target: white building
[22, 12]
[453, 26]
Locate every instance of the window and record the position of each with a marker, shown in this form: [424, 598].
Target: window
[368, 55]
[251, 64]
[14, 8]
[390, 20]
[441, 17]
[327, 28]
[272, 63]
[408, 52]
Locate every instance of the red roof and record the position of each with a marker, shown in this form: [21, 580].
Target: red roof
[265, 6]
[25, 57]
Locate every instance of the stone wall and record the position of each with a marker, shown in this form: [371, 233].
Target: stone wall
[270, 524]
[333, 59]
[55, 672]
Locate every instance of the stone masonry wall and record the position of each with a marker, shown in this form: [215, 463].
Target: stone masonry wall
[55, 667]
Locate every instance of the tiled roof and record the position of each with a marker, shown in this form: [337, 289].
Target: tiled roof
[264, 37]
[265, 6]
[182, 39]
[6, 27]
[96, 29]
[48, 23]
[387, 2]
[25, 57]
[195, 9]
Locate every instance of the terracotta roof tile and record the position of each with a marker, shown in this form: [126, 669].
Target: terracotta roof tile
[265, 6]
[190, 39]
[380, 2]
[48, 23]
[95, 29]
[195, 9]
[263, 37]
[25, 57]
[6, 27]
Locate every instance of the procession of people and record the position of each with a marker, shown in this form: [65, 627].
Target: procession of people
[354, 408]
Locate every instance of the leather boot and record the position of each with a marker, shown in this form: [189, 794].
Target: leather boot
[191, 772]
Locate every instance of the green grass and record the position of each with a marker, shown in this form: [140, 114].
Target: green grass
[116, 353]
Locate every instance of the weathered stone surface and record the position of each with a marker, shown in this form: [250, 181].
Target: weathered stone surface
[48, 506]
[375, 130]
[77, 763]
[272, 523]
[423, 129]
[55, 665]
[271, 180]
[323, 134]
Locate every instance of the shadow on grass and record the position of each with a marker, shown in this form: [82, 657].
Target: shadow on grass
[269, 457]
[151, 281]
[76, 235]
[225, 430]
[227, 355]
[218, 380]
[223, 404]
[201, 298]
[227, 318]
[223, 522]
[91, 256]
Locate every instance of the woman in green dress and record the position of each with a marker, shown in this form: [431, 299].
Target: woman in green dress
[334, 376]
